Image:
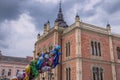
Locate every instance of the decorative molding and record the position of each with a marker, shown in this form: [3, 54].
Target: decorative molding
[90, 60]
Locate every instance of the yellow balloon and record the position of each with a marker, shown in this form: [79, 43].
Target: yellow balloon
[27, 69]
[26, 78]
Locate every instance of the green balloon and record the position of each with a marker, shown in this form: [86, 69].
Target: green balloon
[33, 68]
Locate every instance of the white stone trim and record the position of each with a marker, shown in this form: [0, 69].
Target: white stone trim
[112, 58]
[78, 69]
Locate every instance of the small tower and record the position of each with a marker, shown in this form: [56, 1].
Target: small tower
[38, 36]
[108, 27]
[48, 25]
[77, 20]
[45, 28]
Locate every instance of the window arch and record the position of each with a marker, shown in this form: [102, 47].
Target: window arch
[97, 73]
[68, 48]
[118, 52]
[9, 72]
[68, 73]
[96, 48]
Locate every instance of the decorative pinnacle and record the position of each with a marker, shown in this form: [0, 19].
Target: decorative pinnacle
[108, 24]
[60, 6]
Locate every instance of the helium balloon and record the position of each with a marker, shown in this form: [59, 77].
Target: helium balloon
[40, 62]
[33, 68]
[27, 69]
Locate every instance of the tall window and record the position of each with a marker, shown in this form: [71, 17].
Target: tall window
[9, 72]
[17, 72]
[96, 48]
[92, 46]
[3, 72]
[97, 73]
[118, 52]
[68, 73]
[67, 49]
[99, 48]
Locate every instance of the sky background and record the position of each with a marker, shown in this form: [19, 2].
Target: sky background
[22, 20]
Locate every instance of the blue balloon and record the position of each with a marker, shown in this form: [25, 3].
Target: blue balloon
[57, 54]
[57, 48]
[53, 51]
[40, 62]
[43, 55]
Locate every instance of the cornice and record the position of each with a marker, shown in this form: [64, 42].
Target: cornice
[90, 60]
[115, 35]
[84, 26]
[93, 28]
[18, 63]
[89, 27]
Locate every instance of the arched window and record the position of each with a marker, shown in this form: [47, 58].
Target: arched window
[9, 72]
[3, 72]
[92, 47]
[68, 49]
[96, 48]
[17, 72]
[118, 52]
[68, 73]
[97, 73]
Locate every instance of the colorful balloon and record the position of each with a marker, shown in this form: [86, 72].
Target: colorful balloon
[40, 62]
[44, 62]
[27, 69]
[34, 70]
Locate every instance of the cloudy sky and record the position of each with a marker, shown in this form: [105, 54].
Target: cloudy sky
[22, 20]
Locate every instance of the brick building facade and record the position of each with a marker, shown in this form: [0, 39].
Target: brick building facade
[88, 52]
[10, 66]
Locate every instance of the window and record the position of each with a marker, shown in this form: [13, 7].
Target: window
[3, 72]
[92, 46]
[99, 48]
[97, 73]
[17, 72]
[50, 48]
[68, 74]
[96, 48]
[67, 49]
[118, 52]
[9, 72]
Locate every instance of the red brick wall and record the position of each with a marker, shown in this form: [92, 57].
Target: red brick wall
[87, 37]
[116, 43]
[87, 70]
[69, 37]
[118, 71]
[46, 42]
[72, 65]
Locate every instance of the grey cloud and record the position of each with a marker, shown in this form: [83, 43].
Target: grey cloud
[9, 9]
[111, 7]
[5, 34]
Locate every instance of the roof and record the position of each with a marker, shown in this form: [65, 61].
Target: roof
[11, 59]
